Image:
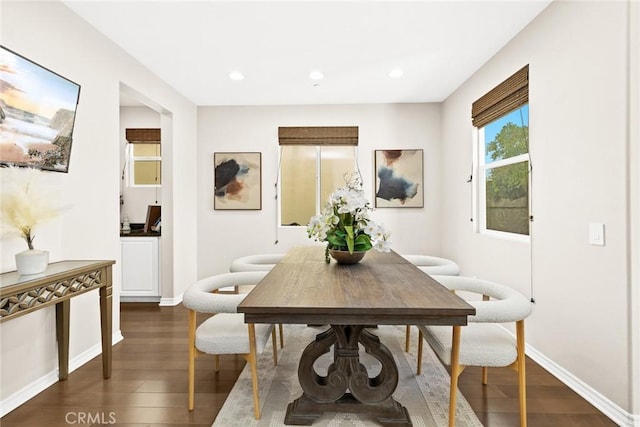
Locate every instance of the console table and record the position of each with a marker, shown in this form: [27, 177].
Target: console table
[61, 281]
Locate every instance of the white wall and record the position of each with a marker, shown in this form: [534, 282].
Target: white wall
[225, 235]
[577, 56]
[136, 199]
[581, 175]
[634, 202]
[50, 34]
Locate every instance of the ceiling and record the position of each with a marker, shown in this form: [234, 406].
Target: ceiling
[194, 45]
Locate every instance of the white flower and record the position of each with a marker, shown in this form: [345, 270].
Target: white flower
[344, 217]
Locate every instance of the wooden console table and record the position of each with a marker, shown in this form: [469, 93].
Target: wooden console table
[56, 286]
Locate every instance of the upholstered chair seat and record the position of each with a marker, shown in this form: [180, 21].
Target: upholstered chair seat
[484, 345]
[225, 331]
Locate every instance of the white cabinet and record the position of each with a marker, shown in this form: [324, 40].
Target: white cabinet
[140, 269]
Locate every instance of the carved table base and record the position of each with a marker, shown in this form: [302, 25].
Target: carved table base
[347, 386]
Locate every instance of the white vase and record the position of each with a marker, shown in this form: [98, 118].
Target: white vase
[33, 261]
[126, 226]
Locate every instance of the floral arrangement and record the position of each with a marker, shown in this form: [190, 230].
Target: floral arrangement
[345, 222]
[23, 203]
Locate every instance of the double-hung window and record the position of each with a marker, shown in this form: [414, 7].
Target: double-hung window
[145, 165]
[314, 162]
[144, 157]
[501, 119]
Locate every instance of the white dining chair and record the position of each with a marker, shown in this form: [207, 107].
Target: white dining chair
[484, 341]
[431, 265]
[225, 331]
[258, 262]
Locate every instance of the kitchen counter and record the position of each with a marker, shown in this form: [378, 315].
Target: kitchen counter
[140, 233]
[137, 230]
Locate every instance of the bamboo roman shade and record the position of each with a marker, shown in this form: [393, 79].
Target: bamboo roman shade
[507, 96]
[143, 136]
[323, 135]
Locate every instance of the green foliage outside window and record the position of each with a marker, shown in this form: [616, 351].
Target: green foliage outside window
[507, 182]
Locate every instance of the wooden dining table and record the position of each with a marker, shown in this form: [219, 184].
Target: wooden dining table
[382, 289]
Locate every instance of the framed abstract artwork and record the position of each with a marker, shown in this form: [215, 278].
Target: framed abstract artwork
[399, 178]
[237, 181]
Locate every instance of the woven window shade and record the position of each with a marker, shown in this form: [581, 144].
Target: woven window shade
[143, 136]
[325, 135]
[507, 96]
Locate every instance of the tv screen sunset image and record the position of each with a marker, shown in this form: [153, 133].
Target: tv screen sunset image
[37, 114]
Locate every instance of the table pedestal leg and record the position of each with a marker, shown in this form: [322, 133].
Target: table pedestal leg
[347, 386]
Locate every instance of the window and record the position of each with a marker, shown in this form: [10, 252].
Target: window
[504, 172]
[502, 121]
[145, 165]
[313, 163]
[144, 157]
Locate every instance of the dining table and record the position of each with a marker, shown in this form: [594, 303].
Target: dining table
[352, 300]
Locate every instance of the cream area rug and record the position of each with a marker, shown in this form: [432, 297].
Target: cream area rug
[426, 397]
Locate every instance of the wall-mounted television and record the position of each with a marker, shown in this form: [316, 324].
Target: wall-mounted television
[37, 114]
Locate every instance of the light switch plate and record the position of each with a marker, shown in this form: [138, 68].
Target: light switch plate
[596, 234]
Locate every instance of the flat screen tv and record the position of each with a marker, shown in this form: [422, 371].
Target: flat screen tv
[37, 114]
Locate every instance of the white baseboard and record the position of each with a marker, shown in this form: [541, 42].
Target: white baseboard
[21, 396]
[124, 298]
[170, 302]
[604, 405]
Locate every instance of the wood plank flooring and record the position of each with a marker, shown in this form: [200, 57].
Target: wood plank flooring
[148, 386]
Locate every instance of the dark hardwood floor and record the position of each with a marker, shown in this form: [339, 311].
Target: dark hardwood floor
[148, 386]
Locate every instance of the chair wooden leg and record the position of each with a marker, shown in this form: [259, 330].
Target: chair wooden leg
[522, 388]
[407, 339]
[216, 362]
[420, 339]
[281, 330]
[192, 357]
[251, 359]
[485, 375]
[274, 340]
[455, 372]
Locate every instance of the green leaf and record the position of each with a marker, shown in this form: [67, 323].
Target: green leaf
[362, 243]
[349, 239]
[336, 241]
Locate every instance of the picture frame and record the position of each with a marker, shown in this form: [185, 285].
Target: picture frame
[37, 114]
[237, 181]
[154, 217]
[399, 178]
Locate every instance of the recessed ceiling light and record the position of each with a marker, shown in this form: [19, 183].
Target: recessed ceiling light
[316, 75]
[236, 75]
[396, 73]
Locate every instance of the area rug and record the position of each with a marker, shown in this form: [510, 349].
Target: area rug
[426, 396]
